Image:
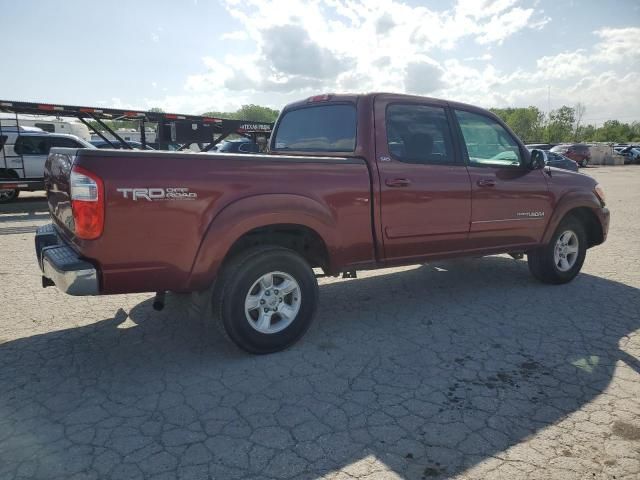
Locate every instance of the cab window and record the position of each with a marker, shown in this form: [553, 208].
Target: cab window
[488, 143]
[325, 128]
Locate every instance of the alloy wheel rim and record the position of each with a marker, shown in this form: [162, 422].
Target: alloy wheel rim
[273, 302]
[565, 252]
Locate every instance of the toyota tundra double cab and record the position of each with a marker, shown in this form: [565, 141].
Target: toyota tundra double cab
[351, 182]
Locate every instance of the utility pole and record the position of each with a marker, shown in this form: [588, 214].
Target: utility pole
[548, 99]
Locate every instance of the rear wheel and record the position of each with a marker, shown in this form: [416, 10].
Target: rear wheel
[265, 299]
[7, 196]
[561, 260]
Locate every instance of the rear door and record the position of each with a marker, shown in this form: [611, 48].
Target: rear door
[34, 150]
[425, 191]
[510, 203]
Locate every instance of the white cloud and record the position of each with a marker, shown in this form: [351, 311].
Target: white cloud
[235, 35]
[347, 44]
[289, 50]
[564, 65]
[503, 26]
[304, 47]
[384, 23]
[423, 77]
[618, 44]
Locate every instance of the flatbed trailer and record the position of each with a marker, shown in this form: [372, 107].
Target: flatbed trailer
[178, 130]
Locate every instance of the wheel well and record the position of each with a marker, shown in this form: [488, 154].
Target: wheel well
[300, 238]
[8, 173]
[592, 226]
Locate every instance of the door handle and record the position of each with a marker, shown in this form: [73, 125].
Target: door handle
[487, 182]
[397, 182]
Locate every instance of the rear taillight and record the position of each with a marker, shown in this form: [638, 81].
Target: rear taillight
[87, 203]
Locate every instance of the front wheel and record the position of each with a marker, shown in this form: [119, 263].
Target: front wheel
[561, 260]
[265, 299]
[7, 196]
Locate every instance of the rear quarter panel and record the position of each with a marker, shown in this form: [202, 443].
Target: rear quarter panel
[155, 245]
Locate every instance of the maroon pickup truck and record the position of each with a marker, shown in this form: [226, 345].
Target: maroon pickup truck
[351, 182]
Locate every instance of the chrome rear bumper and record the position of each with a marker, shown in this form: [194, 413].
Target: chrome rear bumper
[61, 266]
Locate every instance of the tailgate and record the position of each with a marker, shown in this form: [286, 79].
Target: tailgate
[57, 171]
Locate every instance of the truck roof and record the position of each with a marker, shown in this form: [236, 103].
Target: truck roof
[353, 97]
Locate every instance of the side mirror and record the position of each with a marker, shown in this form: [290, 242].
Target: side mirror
[536, 159]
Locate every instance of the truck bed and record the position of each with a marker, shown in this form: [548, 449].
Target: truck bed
[169, 216]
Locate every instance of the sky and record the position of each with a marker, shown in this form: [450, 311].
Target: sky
[192, 56]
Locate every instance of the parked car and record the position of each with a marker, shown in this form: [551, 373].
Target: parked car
[23, 153]
[578, 152]
[631, 153]
[553, 159]
[541, 146]
[332, 194]
[118, 145]
[237, 146]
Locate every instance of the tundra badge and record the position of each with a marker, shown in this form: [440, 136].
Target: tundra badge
[530, 214]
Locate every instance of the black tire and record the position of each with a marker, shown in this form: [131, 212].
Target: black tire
[542, 263]
[8, 196]
[235, 282]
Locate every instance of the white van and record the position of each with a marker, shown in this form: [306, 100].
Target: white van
[48, 124]
[23, 153]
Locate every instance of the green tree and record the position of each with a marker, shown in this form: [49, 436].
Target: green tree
[255, 113]
[635, 132]
[527, 123]
[579, 110]
[585, 133]
[560, 126]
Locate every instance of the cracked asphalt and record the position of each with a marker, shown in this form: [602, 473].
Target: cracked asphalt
[464, 369]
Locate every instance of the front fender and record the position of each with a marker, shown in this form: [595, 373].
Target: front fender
[246, 214]
[569, 201]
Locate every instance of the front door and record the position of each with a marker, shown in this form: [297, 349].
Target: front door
[511, 204]
[425, 191]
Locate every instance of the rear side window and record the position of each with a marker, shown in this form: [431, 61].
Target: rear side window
[325, 128]
[419, 134]
[47, 127]
[31, 145]
[488, 143]
[64, 142]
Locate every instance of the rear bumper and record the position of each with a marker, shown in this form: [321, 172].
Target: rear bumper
[18, 184]
[61, 266]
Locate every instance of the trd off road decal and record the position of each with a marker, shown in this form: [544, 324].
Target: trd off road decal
[156, 194]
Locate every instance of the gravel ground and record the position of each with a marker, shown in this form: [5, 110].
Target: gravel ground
[463, 369]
